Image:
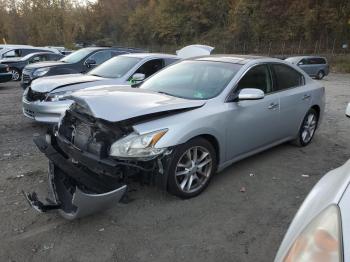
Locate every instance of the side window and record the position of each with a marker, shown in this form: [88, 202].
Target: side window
[101, 56]
[320, 61]
[13, 53]
[258, 77]
[304, 62]
[286, 77]
[151, 67]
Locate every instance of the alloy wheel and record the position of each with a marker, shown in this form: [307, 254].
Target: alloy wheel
[15, 75]
[193, 169]
[309, 127]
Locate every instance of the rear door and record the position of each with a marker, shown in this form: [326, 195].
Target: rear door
[295, 97]
[253, 124]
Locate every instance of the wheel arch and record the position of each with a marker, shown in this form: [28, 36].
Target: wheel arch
[213, 141]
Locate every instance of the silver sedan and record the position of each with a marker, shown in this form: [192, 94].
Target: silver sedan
[179, 128]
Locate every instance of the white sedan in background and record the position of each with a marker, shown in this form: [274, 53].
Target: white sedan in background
[320, 231]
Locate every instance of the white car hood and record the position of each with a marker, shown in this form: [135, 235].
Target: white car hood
[118, 103]
[50, 83]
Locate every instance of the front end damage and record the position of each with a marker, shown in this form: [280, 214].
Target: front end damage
[83, 178]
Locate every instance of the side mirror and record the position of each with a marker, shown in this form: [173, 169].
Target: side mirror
[90, 62]
[137, 78]
[251, 94]
[347, 112]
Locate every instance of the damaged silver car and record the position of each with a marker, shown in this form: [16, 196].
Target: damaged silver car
[176, 130]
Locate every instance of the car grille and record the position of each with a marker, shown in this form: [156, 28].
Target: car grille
[35, 96]
[87, 135]
[25, 77]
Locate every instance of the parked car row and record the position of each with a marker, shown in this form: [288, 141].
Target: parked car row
[177, 120]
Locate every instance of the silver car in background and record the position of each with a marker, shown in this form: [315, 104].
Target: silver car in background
[314, 66]
[320, 231]
[46, 99]
[179, 128]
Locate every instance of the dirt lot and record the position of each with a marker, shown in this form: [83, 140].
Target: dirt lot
[223, 224]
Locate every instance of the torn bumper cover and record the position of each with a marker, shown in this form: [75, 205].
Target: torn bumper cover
[76, 191]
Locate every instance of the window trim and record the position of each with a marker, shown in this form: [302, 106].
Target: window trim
[233, 89]
[148, 60]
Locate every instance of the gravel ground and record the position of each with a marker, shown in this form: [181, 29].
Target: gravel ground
[222, 224]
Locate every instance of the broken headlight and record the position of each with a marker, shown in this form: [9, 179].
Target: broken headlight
[138, 146]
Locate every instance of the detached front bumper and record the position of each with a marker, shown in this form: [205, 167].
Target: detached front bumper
[76, 192]
[47, 112]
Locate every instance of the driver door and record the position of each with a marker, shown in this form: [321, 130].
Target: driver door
[253, 124]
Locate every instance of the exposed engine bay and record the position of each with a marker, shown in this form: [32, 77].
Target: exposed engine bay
[82, 176]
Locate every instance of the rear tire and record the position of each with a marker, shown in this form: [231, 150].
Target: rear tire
[320, 75]
[191, 168]
[307, 129]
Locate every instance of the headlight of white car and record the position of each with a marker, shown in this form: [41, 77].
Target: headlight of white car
[58, 96]
[138, 146]
[321, 240]
[41, 71]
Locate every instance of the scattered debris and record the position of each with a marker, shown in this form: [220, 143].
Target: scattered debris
[251, 174]
[41, 181]
[47, 247]
[305, 175]
[243, 189]
[20, 176]
[7, 154]
[101, 230]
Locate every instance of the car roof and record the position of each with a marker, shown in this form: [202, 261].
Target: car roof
[151, 55]
[234, 59]
[306, 56]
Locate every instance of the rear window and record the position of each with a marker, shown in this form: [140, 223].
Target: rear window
[286, 77]
[317, 61]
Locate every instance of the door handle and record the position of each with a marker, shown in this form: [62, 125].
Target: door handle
[306, 97]
[273, 106]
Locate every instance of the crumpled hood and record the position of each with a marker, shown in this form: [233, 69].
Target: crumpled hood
[49, 83]
[118, 103]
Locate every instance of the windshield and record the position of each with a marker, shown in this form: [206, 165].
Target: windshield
[24, 58]
[193, 79]
[115, 67]
[77, 55]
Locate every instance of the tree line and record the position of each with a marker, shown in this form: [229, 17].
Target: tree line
[229, 25]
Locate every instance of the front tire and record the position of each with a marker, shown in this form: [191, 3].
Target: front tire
[307, 129]
[192, 166]
[16, 75]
